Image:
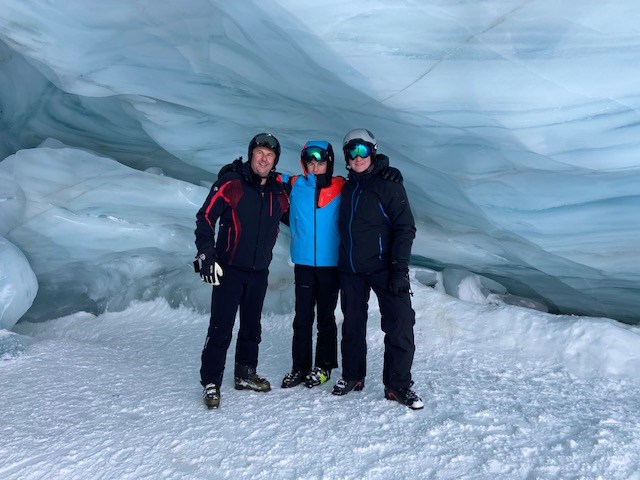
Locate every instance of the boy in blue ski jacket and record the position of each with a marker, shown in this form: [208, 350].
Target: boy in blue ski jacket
[313, 219]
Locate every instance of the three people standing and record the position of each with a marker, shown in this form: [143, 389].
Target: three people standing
[368, 217]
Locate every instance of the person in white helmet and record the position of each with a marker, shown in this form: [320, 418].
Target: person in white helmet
[376, 230]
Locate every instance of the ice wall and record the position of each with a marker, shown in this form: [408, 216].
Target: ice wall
[515, 123]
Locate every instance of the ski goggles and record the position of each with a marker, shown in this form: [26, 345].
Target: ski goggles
[266, 140]
[314, 154]
[359, 150]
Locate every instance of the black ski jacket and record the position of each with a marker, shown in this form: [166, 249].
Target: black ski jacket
[248, 216]
[375, 222]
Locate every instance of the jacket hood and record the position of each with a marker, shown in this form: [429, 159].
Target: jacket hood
[323, 179]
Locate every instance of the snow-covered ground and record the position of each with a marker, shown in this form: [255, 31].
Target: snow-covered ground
[510, 393]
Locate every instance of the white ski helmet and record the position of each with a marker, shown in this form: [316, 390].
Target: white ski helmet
[359, 135]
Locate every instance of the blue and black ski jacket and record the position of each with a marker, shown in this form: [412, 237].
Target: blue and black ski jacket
[313, 219]
[375, 222]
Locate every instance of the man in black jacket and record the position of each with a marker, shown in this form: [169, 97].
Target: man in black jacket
[376, 234]
[247, 205]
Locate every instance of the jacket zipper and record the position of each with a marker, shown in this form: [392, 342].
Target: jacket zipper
[315, 227]
[354, 203]
[255, 248]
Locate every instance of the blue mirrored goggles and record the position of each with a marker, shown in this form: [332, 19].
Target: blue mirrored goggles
[359, 150]
[314, 154]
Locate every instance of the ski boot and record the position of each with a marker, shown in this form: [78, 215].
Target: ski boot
[246, 378]
[211, 395]
[343, 387]
[317, 376]
[405, 396]
[292, 379]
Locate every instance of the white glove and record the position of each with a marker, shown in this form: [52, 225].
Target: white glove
[211, 274]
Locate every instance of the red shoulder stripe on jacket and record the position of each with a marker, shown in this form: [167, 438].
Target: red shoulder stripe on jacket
[219, 194]
[328, 193]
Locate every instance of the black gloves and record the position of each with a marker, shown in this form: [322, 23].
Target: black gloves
[234, 166]
[399, 280]
[210, 271]
[392, 174]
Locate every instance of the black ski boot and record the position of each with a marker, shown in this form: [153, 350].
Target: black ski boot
[317, 376]
[343, 387]
[405, 396]
[292, 379]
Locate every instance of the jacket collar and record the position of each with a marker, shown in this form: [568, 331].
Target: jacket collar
[253, 179]
[380, 162]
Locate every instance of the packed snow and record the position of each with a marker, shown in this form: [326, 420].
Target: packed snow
[510, 393]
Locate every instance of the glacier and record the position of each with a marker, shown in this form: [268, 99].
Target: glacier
[515, 123]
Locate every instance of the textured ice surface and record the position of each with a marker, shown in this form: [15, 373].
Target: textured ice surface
[516, 124]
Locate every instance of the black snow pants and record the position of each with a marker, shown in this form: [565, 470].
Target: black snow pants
[397, 319]
[238, 288]
[316, 288]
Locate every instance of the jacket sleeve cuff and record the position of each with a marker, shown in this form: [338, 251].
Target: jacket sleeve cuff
[399, 266]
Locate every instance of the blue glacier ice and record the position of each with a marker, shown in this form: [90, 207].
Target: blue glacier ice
[18, 284]
[516, 125]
